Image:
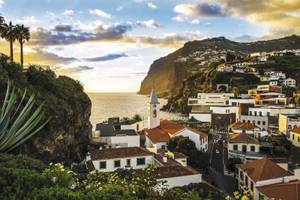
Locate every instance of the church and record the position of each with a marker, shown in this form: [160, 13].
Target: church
[160, 131]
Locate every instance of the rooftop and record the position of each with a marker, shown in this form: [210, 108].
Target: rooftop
[167, 128]
[282, 191]
[242, 138]
[263, 169]
[243, 125]
[102, 154]
[108, 130]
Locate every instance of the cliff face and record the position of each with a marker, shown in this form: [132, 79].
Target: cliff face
[66, 137]
[167, 74]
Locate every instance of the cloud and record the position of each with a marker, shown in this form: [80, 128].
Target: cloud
[63, 28]
[66, 34]
[106, 57]
[119, 8]
[152, 6]
[28, 20]
[2, 3]
[148, 24]
[100, 13]
[68, 13]
[188, 12]
[283, 16]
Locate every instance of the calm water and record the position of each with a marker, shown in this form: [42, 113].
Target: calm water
[105, 105]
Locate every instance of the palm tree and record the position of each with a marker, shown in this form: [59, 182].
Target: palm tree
[9, 33]
[2, 22]
[22, 35]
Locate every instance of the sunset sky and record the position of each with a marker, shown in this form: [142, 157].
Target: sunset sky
[109, 45]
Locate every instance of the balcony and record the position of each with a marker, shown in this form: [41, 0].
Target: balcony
[245, 156]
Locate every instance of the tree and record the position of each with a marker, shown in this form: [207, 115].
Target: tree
[2, 21]
[137, 118]
[22, 35]
[196, 159]
[10, 34]
[19, 120]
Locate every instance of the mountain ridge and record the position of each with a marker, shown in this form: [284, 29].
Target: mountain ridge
[168, 73]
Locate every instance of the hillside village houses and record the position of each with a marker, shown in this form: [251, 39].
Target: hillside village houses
[269, 179]
[122, 147]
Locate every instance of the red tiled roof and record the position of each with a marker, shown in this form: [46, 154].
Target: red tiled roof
[263, 169]
[170, 126]
[243, 125]
[101, 154]
[157, 135]
[242, 138]
[282, 191]
[296, 130]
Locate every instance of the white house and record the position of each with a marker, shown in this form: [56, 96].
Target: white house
[267, 180]
[171, 169]
[289, 82]
[243, 146]
[111, 135]
[160, 132]
[158, 138]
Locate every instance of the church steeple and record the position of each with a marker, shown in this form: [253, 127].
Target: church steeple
[153, 97]
[153, 110]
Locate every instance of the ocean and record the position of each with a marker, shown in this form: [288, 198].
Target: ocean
[105, 105]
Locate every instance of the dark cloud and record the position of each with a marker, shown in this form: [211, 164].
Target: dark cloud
[66, 34]
[210, 10]
[63, 28]
[84, 68]
[106, 57]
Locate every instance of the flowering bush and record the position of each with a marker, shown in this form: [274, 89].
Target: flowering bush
[60, 176]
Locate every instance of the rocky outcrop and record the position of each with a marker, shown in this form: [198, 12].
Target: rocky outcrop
[66, 136]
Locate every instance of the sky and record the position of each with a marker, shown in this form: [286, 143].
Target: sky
[109, 45]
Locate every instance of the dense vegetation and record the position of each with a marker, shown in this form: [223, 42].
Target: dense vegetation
[66, 136]
[23, 178]
[196, 159]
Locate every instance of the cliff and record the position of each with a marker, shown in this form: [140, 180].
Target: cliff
[66, 137]
[168, 73]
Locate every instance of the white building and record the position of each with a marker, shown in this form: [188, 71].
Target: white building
[160, 132]
[243, 146]
[288, 122]
[210, 99]
[158, 138]
[289, 82]
[171, 169]
[112, 135]
[268, 180]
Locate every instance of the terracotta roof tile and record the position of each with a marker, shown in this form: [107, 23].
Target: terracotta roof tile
[242, 138]
[282, 191]
[243, 125]
[296, 130]
[101, 154]
[157, 135]
[170, 126]
[263, 169]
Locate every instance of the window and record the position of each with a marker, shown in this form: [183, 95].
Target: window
[251, 186]
[293, 136]
[255, 113]
[263, 122]
[102, 165]
[117, 163]
[155, 113]
[128, 162]
[164, 146]
[235, 147]
[260, 113]
[246, 181]
[140, 161]
[298, 139]
[258, 122]
[252, 148]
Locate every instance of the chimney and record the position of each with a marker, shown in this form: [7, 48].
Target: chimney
[165, 159]
[297, 174]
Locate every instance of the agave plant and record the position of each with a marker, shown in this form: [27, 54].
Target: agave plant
[19, 119]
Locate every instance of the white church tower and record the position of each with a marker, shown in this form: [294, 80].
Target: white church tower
[153, 111]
